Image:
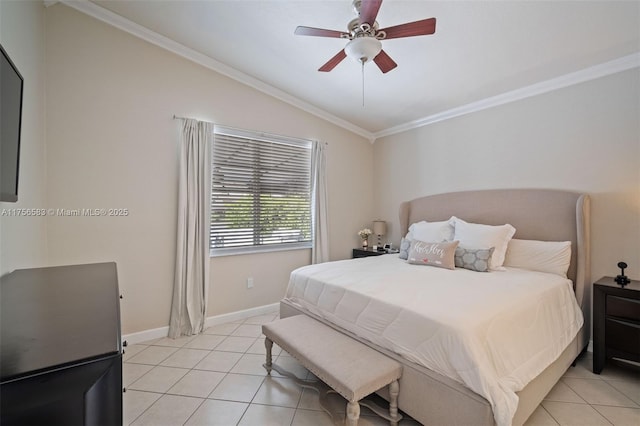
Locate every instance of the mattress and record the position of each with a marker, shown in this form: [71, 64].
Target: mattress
[492, 331]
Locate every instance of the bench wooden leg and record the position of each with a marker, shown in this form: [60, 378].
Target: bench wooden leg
[394, 390]
[353, 413]
[268, 344]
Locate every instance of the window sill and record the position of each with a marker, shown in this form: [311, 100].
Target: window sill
[258, 250]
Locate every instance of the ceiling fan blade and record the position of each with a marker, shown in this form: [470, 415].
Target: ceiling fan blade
[331, 63]
[384, 62]
[369, 10]
[410, 29]
[319, 32]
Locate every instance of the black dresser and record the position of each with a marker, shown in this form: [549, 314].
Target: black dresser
[60, 346]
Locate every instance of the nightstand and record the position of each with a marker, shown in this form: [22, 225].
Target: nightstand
[616, 322]
[359, 252]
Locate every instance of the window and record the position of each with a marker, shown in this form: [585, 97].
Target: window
[260, 192]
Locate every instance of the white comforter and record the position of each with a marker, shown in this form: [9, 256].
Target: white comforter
[493, 332]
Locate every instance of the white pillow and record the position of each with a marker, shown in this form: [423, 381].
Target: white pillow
[477, 236]
[543, 256]
[431, 231]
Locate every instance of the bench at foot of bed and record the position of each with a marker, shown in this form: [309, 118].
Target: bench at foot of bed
[348, 367]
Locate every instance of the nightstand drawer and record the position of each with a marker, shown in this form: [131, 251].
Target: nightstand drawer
[623, 336]
[364, 252]
[623, 308]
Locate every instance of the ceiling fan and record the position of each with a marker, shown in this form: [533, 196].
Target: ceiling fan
[364, 36]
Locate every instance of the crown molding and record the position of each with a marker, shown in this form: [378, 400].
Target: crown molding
[597, 71]
[115, 20]
[591, 73]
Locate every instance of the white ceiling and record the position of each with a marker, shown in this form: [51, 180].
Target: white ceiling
[480, 49]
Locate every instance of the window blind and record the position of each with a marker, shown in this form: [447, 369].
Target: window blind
[260, 192]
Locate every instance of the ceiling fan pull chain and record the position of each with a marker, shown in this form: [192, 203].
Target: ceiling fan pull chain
[362, 61]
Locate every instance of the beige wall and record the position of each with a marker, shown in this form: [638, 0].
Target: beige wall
[23, 240]
[112, 143]
[581, 138]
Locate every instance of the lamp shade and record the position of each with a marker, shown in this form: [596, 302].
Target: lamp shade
[379, 227]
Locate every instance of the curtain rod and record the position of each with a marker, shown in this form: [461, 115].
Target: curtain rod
[176, 117]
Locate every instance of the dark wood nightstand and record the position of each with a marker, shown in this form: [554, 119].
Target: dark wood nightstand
[616, 322]
[359, 252]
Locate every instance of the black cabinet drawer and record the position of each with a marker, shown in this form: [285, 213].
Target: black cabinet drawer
[366, 253]
[622, 336]
[621, 307]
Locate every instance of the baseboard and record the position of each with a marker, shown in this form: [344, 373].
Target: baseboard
[244, 314]
[145, 335]
[156, 333]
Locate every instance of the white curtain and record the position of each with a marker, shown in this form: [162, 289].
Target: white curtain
[190, 287]
[320, 250]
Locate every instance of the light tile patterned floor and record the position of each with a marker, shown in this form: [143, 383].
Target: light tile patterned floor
[217, 378]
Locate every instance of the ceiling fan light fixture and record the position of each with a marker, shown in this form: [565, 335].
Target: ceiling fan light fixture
[363, 49]
[364, 45]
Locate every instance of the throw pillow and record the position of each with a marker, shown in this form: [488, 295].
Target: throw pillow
[404, 248]
[474, 259]
[433, 254]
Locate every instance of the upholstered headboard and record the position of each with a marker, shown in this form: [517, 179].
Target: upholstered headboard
[537, 214]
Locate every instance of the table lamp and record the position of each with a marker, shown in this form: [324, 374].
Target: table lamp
[379, 228]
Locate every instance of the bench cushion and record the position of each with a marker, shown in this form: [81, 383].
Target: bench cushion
[351, 368]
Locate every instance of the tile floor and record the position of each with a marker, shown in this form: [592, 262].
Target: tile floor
[217, 378]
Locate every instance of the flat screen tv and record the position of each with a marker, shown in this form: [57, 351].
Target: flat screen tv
[11, 86]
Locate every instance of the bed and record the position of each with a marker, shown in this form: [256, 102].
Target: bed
[432, 391]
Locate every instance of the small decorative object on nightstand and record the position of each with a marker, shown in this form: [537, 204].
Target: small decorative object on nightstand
[622, 279]
[365, 252]
[616, 321]
[364, 234]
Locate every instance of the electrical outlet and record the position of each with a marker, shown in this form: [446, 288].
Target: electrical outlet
[250, 282]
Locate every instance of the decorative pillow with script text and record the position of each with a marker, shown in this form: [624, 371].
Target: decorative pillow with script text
[441, 255]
